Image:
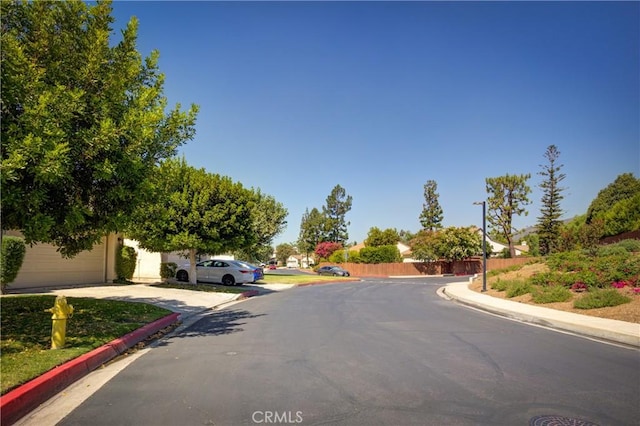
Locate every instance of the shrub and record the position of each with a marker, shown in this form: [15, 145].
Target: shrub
[629, 245]
[168, 269]
[601, 299]
[568, 261]
[612, 250]
[338, 256]
[545, 278]
[381, 254]
[11, 258]
[550, 294]
[589, 278]
[354, 256]
[579, 287]
[518, 288]
[499, 285]
[126, 263]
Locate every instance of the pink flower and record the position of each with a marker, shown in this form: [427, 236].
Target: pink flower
[619, 284]
[636, 290]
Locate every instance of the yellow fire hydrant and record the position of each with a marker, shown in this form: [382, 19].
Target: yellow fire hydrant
[61, 311]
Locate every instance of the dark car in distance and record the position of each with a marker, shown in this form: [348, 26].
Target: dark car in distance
[336, 271]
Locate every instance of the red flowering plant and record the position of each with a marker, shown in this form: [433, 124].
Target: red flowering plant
[325, 249]
[619, 284]
[579, 287]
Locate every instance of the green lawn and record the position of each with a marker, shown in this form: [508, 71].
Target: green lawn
[26, 332]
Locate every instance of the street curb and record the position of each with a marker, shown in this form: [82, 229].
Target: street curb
[247, 294]
[615, 331]
[22, 400]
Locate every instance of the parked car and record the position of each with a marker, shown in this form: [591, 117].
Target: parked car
[258, 272]
[336, 271]
[226, 272]
[272, 266]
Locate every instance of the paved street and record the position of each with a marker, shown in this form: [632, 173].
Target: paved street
[375, 352]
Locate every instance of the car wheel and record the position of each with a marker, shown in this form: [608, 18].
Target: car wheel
[228, 280]
[335, 274]
[182, 276]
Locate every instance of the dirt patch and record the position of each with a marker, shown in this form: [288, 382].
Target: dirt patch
[629, 312]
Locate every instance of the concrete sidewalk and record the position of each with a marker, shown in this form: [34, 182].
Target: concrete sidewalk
[600, 328]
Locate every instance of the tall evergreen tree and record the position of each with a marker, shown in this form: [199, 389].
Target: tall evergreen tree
[312, 231]
[337, 206]
[507, 196]
[431, 216]
[549, 220]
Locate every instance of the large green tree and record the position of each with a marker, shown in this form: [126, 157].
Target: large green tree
[507, 196]
[268, 219]
[431, 216]
[337, 205]
[548, 227]
[458, 243]
[191, 210]
[84, 122]
[625, 187]
[423, 246]
[377, 237]
[283, 251]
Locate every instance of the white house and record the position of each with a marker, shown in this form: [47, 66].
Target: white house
[497, 248]
[298, 260]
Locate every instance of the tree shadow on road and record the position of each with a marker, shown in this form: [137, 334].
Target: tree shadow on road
[218, 323]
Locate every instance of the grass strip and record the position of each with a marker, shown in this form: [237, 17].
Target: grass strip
[26, 332]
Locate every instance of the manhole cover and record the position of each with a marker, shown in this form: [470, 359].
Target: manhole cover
[559, 421]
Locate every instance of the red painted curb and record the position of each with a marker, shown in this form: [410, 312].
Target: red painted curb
[16, 404]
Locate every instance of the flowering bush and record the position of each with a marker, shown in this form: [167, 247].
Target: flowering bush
[636, 290]
[619, 284]
[579, 287]
[326, 249]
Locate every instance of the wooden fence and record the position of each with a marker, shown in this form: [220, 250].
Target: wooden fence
[463, 267]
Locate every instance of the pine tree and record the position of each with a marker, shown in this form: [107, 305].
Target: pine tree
[507, 197]
[431, 216]
[549, 220]
[338, 205]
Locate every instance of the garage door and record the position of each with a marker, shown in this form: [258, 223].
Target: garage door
[44, 267]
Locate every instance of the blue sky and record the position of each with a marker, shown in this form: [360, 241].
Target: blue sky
[379, 97]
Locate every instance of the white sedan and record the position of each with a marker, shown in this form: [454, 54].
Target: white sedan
[218, 271]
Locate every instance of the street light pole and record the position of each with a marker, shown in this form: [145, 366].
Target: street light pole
[484, 244]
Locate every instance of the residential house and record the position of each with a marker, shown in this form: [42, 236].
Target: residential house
[43, 266]
[497, 248]
[300, 261]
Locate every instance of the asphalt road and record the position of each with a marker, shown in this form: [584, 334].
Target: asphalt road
[375, 352]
